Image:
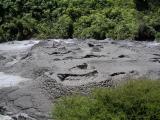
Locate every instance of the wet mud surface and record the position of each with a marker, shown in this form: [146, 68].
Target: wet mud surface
[54, 68]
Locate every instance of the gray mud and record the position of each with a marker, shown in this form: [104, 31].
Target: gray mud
[64, 67]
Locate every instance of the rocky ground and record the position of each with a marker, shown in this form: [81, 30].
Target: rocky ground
[53, 68]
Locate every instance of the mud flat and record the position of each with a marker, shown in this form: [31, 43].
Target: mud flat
[20, 97]
[63, 67]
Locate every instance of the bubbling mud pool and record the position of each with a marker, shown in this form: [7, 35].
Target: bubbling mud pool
[14, 48]
[10, 80]
[17, 45]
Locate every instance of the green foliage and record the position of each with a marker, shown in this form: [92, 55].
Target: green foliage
[135, 100]
[98, 19]
[145, 32]
[64, 27]
[158, 36]
[93, 26]
[18, 28]
[45, 30]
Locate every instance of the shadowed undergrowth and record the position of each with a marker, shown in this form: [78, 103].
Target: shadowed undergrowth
[134, 100]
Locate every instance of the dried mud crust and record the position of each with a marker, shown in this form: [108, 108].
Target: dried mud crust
[65, 67]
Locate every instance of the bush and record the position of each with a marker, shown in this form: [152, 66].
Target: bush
[45, 30]
[145, 33]
[134, 100]
[158, 36]
[66, 18]
[126, 23]
[93, 26]
[64, 27]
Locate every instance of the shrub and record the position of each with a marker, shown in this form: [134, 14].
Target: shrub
[45, 30]
[134, 100]
[64, 27]
[158, 36]
[66, 18]
[18, 29]
[127, 24]
[145, 33]
[74, 13]
[93, 26]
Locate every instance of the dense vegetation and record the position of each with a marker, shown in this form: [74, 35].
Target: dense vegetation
[135, 100]
[99, 19]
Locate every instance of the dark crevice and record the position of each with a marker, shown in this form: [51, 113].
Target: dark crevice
[62, 77]
[82, 66]
[157, 55]
[122, 56]
[92, 56]
[117, 73]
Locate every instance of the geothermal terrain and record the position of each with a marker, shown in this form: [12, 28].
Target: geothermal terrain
[33, 74]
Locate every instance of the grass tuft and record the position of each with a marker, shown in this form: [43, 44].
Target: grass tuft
[133, 100]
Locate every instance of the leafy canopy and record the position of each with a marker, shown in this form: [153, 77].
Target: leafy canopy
[98, 19]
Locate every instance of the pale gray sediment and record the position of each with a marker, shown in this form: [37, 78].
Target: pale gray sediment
[63, 67]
